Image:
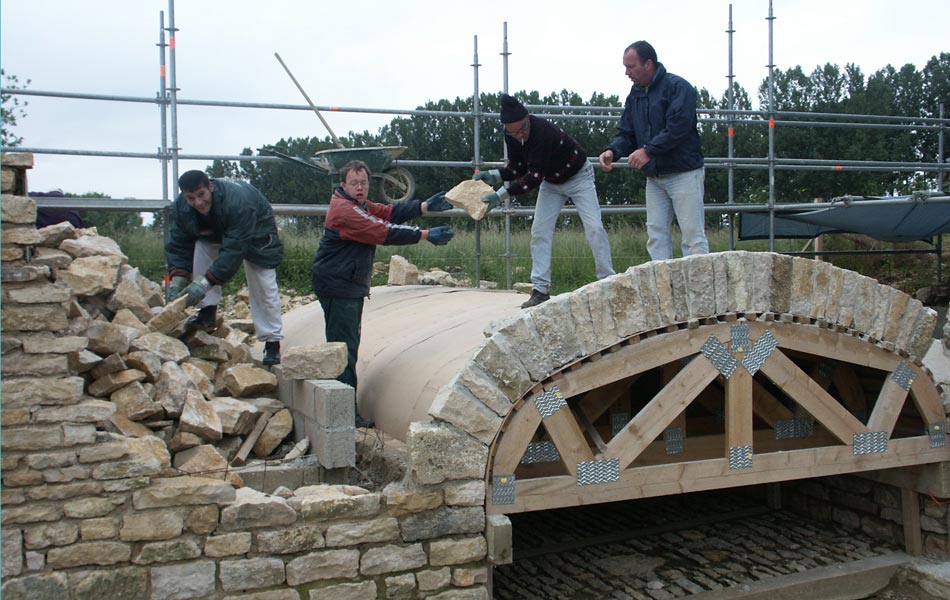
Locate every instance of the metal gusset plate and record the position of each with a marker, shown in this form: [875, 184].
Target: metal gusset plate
[674, 440]
[760, 352]
[938, 435]
[870, 442]
[618, 421]
[798, 427]
[549, 402]
[540, 452]
[719, 356]
[739, 338]
[740, 457]
[598, 471]
[903, 376]
[503, 489]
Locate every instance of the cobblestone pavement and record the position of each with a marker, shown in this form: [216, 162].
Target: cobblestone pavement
[668, 547]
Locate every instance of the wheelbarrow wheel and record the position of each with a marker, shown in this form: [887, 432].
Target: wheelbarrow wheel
[396, 185]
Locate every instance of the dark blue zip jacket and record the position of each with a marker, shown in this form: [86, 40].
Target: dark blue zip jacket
[661, 118]
[241, 220]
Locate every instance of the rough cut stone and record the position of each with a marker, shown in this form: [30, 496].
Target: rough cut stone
[110, 338]
[89, 553]
[150, 525]
[454, 404]
[237, 416]
[90, 275]
[92, 246]
[249, 574]
[34, 317]
[442, 522]
[322, 361]
[440, 452]
[21, 393]
[401, 500]
[165, 347]
[290, 541]
[129, 582]
[391, 559]
[325, 564]
[199, 417]
[17, 209]
[194, 579]
[53, 235]
[104, 386]
[179, 491]
[133, 402]
[323, 502]
[255, 509]
[171, 387]
[457, 551]
[278, 427]
[402, 272]
[170, 317]
[244, 381]
[38, 294]
[364, 532]
[468, 196]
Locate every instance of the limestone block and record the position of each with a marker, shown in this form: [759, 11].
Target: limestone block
[343, 591]
[401, 500]
[457, 551]
[44, 586]
[89, 553]
[183, 491]
[556, 329]
[923, 333]
[150, 525]
[12, 553]
[625, 305]
[90, 275]
[22, 393]
[170, 317]
[392, 559]
[20, 235]
[249, 574]
[170, 388]
[199, 417]
[23, 273]
[90, 411]
[110, 364]
[468, 196]
[740, 283]
[88, 508]
[236, 416]
[325, 564]
[147, 456]
[524, 346]
[103, 528]
[909, 323]
[52, 236]
[883, 297]
[110, 338]
[455, 405]
[400, 585]
[433, 579]
[170, 551]
[17, 161]
[33, 317]
[324, 502]
[38, 294]
[443, 522]
[255, 509]
[146, 362]
[440, 452]
[134, 403]
[122, 425]
[278, 427]
[385, 529]
[128, 295]
[244, 381]
[402, 272]
[203, 460]
[321, 361]
[107, 384]
[7, 181]
[93, 246]
[11, 252]
[164, 346]
[289, 541]
[440, 277]
[851, 296]
[229, 544]
[32, 438]
[644, 280]
[498, 538]
[465, 493]
[52, 258]
[195, 579]
[483, 388]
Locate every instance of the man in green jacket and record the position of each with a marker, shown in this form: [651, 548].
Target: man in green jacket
[216, 225]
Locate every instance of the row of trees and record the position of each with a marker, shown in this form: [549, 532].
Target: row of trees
[905, 92]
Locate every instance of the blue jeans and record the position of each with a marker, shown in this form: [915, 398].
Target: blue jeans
[551, 198]
[682, 194]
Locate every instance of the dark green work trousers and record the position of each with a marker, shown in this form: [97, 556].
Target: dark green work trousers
[343, 318]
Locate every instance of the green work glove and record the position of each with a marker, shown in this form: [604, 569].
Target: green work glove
[496, 198]
[438, 203]
[178, 284]
[196, 290]
[440, 235]
[492, 177]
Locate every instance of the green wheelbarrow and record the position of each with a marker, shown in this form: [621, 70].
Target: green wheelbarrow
[393, 183]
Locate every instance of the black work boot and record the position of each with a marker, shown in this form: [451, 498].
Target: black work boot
[206, 320]
[362, 422]
[535, 299]
[271, 354]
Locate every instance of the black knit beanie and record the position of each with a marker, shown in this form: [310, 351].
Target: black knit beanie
[511, 109]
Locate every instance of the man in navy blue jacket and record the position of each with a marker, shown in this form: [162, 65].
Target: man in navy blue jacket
[657, 133]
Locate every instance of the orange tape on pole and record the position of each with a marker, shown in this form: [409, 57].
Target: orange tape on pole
[335, 108]
[771, 122]
[838, 168]
[171, 44]
[161, 70]
[731, 132]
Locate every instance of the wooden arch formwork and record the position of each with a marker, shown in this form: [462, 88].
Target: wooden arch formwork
[727, 370]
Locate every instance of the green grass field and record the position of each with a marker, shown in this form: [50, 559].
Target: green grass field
[573, 264]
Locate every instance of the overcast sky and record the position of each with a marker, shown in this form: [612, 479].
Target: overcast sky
[390, 54]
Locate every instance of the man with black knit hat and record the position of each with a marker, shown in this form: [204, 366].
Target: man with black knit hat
[541, 155]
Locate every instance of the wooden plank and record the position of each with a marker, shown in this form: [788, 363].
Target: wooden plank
[822, 342]
[706, 447]
[646, 482]
[926, 397]
[520, 428]
[567, 437]
[597, 401]
[241, 457]
[660, 411]
[591, 431]
[887, 407]
[910, 510]
[738, 410]
[851, 391]
[826, 410]
[768, 408]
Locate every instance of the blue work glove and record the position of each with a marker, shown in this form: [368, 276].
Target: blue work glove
[438, 203]
[495, 198]
[440, 235]
[196, 290]
[178, 284]
[492, 177]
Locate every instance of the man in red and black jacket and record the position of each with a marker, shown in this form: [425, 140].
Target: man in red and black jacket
[343, 265]
[542, 155]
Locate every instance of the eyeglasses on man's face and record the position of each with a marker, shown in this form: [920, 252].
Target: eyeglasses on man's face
[520, 131]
